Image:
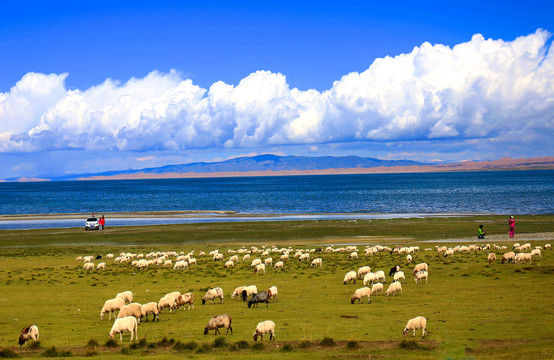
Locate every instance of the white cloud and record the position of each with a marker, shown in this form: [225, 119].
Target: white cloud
[482, 89]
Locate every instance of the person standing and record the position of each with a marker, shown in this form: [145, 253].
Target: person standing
[102, 222]
[512, 224]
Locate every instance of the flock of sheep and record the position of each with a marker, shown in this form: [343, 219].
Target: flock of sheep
[131, 313]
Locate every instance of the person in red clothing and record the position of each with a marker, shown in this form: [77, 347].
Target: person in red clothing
[512, 224]
[102, 222]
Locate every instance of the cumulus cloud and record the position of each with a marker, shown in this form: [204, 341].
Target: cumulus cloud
[480, 89]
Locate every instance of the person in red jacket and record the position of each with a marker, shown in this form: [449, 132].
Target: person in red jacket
[512, 224]
[102, 222]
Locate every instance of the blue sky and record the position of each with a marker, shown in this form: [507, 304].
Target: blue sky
[96, 85]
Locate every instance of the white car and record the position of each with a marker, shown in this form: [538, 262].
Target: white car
[92, 224]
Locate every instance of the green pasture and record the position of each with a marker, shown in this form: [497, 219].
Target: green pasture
[474, 310]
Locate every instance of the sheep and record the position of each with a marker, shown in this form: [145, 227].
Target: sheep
[369, 278]
[522, 258]
[88, 266]
[284, 257]
[168, 263]
[380, 275]
[524, 247]
[150, 308]
[359, 295]
[353, 255]
[305, 256]
[101, 266]
[377, 287]
[212, 294]
[547, 246]
[167, 302]
[127, 296]
[218, 322]
[420, 276]
[492, 257]
[78, 258]
[272, 292]
[87, 259]
[246, 257]
[268, 262]
[228, 264]
[394, 287]
[181, 264]
[448, 252]
[316, 263]
[421, 267]
[234, 258]
[109, 256]
[98, 257]
[186, 299]
[237, 292]
[279, 265]
[28, 333]
[415, 324]
[350, 276]
[255, 262]
[133, 309]
[259, 269]
[265, 327]
[362, 271]
[110, 306]
[126, 324]
[398, 276]
[394, 269]
[536, 252]
[258, 298]
[248, 291]
[409, 258]
[509, 257]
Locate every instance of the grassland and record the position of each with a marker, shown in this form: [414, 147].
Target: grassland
[474, 310]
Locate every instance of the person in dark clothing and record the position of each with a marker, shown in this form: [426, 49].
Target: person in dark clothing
[480, 232]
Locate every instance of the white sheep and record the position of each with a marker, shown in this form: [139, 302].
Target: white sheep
[268, 262]
[246, 257]
[212, 294]
[255, 262]
[415, 324]
[421, 267]
[394, 287]
[101, 266]
[88, 266]
[186, 299]
[265, 327]
[150, 308]
[492, 257]
[28, 333]
[259, 269]
[409, 258]
[509, 257]
[536, 252]
[79, 258]
[362, 271]
[522, 258]
[272, 293]
[399, 276]
[133, 309]
[316, 263]
[248, 291]
[377, 287]
[304, 256]
[237, 292]
[547, 246]
[110, 306]
[109, 256]
[279, 265]
[218, 322]
[126, 324]
[350, 276]
[168, 263]
[234, 258]
[181, 264]
[127, 296]
[420, 276]
[353, 255]
[380, 276]
[369, 278]
[359, 294]
[167, 302]
[284, 257]
[229, 264]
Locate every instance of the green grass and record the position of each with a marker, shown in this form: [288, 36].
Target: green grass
[473, 309]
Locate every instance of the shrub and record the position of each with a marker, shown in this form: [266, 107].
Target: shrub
[352, 345]
[258, 346]
[179, 346]
[91, 353]
[35, 345]
[166, 342]
[111, 343]
[204, 349]
[7, 353]
[243, 344]
[304, 344]
[92, 343]
[53, 352]
[219, 342]
[327, 341]
[287, 348]
[125, 351]
[410, 345]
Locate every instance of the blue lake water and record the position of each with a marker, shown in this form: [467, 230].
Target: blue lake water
[497, 192]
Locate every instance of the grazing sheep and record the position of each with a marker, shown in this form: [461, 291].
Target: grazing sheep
[259, 269]
[369, 278]
[377, 287]
[536, 252]
[305, 256]
[126, 324]
[98, 257]
[448, 252]
[88, 266]
[279, 265]
[127, 296]
[255, 262]
[394, 287]
[547, 246]
[110, 306]
[258, 298]
[359, 295]
[218, 322]
[394, 269]
[181, 264]
[420, 276]
[421, 267]
[265, 327]
[228, 264]
[380, 276]
[350, 276]
[150, 308]
[101, 266]
[79, 258]
[246, 257]
[212, 294]
[362, 271]
[133, 309]
[415, 324]
[268, 262]
[109, 256]
[272, 292]
[353, 255]
[522, 258]
[168, 263]
[167, 302]
[492, 257]
[28, 333]
[509, 257]
[88, 259]
[316, 263]
[284, 257]
[409, 258]
[399, 276]
[237, 292]
[234, 258]
[186, 299]
[248, 291]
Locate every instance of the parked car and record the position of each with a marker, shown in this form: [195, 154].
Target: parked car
[92, 224]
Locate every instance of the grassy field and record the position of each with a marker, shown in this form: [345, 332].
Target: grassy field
[474, 310]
